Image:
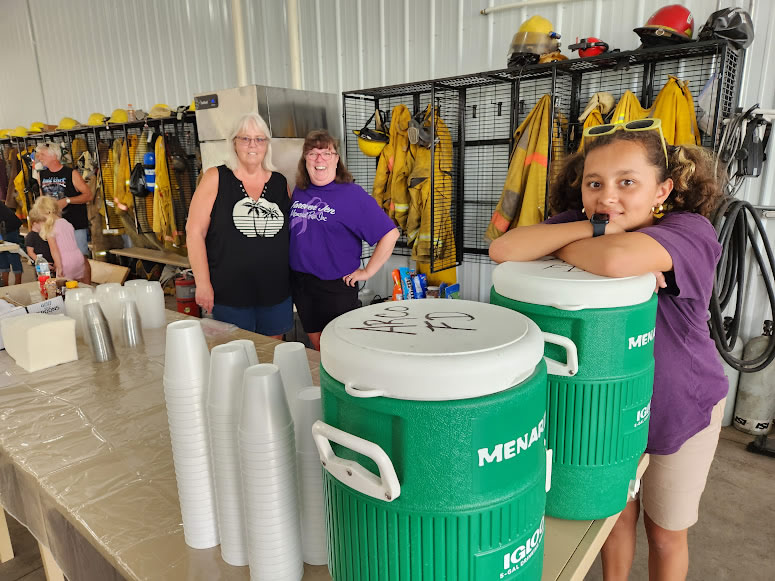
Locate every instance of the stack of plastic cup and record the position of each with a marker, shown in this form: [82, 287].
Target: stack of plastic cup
[224, 396]
[130, 326]
[313, 518]
[291, 358]
[150, 302]
[268, 464]
[250, 350]
[109, 296]
[130, 285]
[75, 298]
[186, 373]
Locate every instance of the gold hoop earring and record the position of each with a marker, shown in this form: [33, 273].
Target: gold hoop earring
[658, 212]
[583, 211]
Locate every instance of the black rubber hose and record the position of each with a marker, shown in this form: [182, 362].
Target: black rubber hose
[737, 225]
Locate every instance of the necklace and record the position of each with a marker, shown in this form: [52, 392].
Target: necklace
[261, 195]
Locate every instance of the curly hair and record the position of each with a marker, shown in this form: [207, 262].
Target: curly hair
[320, 139]
[697, 186]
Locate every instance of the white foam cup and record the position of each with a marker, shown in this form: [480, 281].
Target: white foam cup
[187, 358]
[265, 411]
[227, 367]
[250, 349]
[292, 360]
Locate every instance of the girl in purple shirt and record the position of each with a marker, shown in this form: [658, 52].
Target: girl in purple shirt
[628, 204]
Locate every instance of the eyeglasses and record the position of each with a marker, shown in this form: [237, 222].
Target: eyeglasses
[246, 141]
[313, 155]
[639, 125]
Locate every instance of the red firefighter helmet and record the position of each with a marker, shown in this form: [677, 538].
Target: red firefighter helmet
[669, 25]
[589, 46]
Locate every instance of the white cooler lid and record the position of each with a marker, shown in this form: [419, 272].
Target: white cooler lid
[430, 349]
[555, 283]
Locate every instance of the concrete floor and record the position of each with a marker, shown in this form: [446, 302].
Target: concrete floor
[734, 538]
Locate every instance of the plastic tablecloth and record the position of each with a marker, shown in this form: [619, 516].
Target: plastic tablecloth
[86, 463]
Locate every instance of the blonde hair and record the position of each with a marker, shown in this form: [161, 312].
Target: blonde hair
[250, 120]
[54, 148]
[45, 210]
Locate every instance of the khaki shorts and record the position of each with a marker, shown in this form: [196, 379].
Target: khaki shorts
[672, 485]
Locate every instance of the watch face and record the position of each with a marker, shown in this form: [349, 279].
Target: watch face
[600, 218]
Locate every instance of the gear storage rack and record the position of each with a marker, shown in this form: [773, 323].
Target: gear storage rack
[482, 111]
[181, 132]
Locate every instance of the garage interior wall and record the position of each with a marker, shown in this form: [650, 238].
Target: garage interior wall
[83, 56]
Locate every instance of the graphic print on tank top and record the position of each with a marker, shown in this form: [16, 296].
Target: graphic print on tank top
[54, 186]
[257, 217]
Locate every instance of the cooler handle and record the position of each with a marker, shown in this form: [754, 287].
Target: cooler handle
[350, 473]
[363, 392]
[572, 356]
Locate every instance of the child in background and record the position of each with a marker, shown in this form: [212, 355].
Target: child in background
[630, 205]
[35, 245]
[69, 262]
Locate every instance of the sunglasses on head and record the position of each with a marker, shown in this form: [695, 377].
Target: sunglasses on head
[638, 125]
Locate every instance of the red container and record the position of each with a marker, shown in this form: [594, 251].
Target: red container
[189, 307]
[185, 294]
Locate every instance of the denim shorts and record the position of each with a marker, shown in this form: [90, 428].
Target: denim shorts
[82, 239]
[265, 320]
[10, 260]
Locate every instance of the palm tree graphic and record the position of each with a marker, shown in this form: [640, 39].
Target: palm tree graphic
[258, 210]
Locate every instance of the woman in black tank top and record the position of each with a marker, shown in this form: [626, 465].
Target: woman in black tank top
[237, 235]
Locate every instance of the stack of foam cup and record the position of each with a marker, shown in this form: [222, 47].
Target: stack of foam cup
[313, 519]
[75, 298]
[250, 351]
[186, 373]
[268, 464]
[291, 358]
[149, 297]
[228, 363]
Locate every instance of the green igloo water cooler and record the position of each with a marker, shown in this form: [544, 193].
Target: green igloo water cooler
[597, 416]
[432, 441]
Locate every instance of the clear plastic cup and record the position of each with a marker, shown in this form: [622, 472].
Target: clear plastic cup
[150, 302]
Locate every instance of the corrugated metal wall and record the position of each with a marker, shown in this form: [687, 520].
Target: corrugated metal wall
[81, 56]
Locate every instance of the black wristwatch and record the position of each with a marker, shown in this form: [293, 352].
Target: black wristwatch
[599, 222]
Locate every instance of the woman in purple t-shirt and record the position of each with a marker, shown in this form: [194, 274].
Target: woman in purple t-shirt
[330, 217]
[629, 205]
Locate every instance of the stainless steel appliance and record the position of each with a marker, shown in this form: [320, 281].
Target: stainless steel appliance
[290, 114]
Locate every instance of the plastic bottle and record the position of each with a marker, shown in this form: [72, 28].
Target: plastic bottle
[41, 266]
[149, 165]
[130, 113]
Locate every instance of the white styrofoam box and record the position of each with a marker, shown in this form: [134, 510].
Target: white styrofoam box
[7, 313]
[37, 341]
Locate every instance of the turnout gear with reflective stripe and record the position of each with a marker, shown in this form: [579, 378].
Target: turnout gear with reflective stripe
[522, 200]
[429, 227]
[393, 168]
[628, 109]
[163, 215]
